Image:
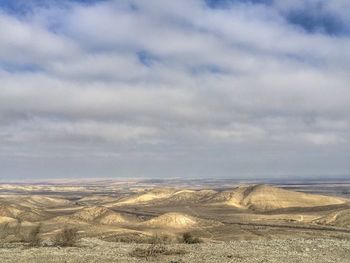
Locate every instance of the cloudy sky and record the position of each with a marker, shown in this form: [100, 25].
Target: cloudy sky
[185, 88]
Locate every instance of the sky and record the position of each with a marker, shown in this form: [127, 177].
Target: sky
[163, 89]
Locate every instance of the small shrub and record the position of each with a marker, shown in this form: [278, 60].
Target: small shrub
[11, 233]
[67, 237]
[128, 238]
[187, 238]
[160, 239]
[140, 239]
[33, 238]
[155, 250]
[18, 228]
[4, 231]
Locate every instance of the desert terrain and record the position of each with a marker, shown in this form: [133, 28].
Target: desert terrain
[174, 221]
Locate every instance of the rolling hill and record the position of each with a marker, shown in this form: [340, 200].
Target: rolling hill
[265, 197]
[103, 215]
[179, 221]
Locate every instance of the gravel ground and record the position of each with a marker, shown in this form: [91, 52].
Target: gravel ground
[271, 251]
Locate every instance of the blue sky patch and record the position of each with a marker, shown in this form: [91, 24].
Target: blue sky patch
[21, 7]
[314, 22]
[228, 3]
[16, 68]
[145, 58]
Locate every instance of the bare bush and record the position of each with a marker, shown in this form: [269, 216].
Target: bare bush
[160, 239]
[141, 239]
[127, 238]
[17, 229]
[33, 237]
[12, 233]
[5, 231]
[155, 250]
[187, 238]
[67, 237]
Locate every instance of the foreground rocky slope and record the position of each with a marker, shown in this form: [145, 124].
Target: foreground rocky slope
[272, 251]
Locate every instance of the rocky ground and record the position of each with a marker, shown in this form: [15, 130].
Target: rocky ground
[271, 251]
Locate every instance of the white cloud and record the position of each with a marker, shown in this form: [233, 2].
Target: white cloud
[217, 80]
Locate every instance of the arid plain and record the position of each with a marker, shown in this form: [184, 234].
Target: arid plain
[175, 221]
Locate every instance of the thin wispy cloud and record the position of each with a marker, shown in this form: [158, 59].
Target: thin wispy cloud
[174, 88]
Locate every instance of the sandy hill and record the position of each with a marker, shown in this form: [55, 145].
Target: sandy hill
[257, 197]
[46, 201]
[7, 210]
[148, 196]
[20, 213]
[264, 197]
[233, 197]
[35, 201]
[168, 196]
[97, 199]
[338, 218]
[103, 215]
[186, 197]
[192, 195]
[178, 221]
